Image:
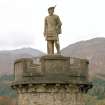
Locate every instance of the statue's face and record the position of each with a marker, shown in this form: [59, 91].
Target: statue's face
[51, 11]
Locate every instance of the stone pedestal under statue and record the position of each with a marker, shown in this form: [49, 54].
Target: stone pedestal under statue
[55, 80]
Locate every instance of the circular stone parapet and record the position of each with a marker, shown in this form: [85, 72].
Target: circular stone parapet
[52, 69]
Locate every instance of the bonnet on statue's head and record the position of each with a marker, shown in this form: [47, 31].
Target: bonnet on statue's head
[51, 8]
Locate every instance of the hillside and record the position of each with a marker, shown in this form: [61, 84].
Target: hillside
[7, 58]
[5, 100]
[93, 50]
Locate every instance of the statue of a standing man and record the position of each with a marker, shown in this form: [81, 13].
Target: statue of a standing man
[52, 29]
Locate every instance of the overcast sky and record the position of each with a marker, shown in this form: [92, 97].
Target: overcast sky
[21, 22]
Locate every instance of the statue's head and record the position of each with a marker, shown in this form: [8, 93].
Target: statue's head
[51, 10]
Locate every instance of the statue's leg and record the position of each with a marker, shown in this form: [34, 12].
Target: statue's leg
[57, 45]
[50, 47]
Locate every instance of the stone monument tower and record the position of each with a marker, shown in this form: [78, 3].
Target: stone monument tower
[54, 80]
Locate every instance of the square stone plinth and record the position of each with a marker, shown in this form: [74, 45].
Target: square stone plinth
[55, 64]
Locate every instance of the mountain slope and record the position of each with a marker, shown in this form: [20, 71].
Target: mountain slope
[93, 50]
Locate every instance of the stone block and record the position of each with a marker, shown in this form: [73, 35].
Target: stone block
[79, 67]
[55, 64]
[20, 67]
[25, 68]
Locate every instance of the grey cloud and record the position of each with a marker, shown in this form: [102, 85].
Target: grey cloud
[16, 39]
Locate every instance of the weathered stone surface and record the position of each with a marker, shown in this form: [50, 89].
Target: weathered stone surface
[55, 64]
[25, 67]
[79, 67]
[51, 95]
[20, 67]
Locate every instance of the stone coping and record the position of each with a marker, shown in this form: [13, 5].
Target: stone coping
[46, 86]
[51, 82]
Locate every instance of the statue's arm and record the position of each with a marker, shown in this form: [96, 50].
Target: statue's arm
[59, 24]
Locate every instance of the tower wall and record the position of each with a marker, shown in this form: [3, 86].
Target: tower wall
[44, 94]
[52, 81]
